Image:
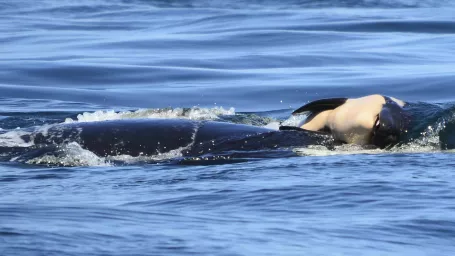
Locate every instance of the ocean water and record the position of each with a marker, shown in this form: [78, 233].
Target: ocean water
[250, 62]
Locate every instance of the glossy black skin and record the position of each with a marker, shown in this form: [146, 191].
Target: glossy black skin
[149, 137]
[392, 124]
[153, 136]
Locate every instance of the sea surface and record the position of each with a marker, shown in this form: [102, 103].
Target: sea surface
[248, 61]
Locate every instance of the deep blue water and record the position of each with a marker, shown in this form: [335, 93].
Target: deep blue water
[249, 62]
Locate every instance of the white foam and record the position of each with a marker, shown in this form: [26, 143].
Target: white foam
[175, 153]
[195, 113]
[44, 129]
[13, 139]
[350, 149]
[272, 125]
[72, 154]
[428, 140]
[347, 149]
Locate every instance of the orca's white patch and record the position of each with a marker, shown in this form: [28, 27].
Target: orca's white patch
[353, 121]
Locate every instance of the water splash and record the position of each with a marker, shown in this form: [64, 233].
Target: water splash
[194, 113]
[430, 137]
[14, 139]
[297, 120]
[71, 154]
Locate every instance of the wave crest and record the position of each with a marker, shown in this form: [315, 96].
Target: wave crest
[194, 113]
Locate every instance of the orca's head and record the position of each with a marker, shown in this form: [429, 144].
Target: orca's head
[390, 125]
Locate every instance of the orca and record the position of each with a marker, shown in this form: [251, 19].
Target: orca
[371, 120]
[148, 137]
